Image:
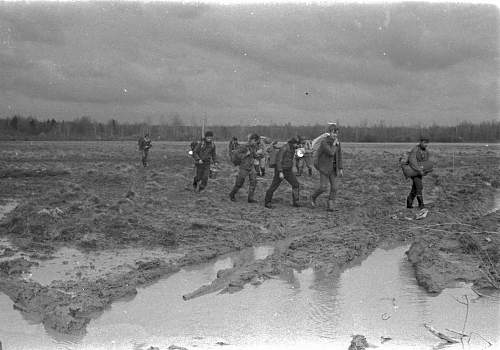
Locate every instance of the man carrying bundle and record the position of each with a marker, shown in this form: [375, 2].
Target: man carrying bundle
[328, 161]
[307, 158]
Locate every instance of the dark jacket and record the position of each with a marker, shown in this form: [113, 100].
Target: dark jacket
[416, 157]
[144, 143]
[205, 151]
[233, 145]
[247, 160]
[284, 159]
[328, 158]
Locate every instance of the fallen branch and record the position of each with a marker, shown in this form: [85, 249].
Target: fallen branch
[481, 295]
[441, 335]
[480, 336]
[459, 333]
[490, 279]
[467, 312]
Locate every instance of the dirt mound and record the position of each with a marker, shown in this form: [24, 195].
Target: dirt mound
[439, 263]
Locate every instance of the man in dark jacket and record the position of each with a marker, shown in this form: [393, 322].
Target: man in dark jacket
[203, 154]
[417, 156]
[247, 154]
[144, 146]
[328, 161]
[284, 170]
[233, 145]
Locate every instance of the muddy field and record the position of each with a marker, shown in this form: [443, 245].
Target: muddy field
[82, 224]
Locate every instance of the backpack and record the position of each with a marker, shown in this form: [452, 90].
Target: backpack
[235, 157]
[315, 146]
[404, 159]
[273, 155]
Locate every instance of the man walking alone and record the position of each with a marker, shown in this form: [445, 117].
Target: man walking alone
[144, 146]
[419, 156]
[328, 161]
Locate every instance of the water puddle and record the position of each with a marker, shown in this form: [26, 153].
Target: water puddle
[71, 263]
[302, 310]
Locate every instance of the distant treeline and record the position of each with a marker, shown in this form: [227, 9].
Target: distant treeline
[84, 128]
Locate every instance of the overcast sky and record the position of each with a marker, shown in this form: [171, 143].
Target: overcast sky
[402, 63]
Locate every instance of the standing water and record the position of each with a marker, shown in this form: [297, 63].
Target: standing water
[304, 309]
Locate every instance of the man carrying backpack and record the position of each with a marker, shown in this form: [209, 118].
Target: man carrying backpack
[244, 157]
[418, 160]
[233, 145]
[144, 146]
[203, 154]
[284, 170]
[307, 158]
[328, 161]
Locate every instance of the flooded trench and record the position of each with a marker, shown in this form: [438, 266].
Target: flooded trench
[301, 309]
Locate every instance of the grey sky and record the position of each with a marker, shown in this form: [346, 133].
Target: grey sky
[403, 63]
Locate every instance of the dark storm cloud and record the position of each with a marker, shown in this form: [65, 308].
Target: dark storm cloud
[364, 61]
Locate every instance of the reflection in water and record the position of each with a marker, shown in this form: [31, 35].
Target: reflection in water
[304, 309]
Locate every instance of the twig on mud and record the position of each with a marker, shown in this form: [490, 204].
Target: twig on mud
[490, 279]
[441, 335]
[448, 223]
[480, 336]
[458, 301]
[457, 332]
[481, 295]
[467, 313]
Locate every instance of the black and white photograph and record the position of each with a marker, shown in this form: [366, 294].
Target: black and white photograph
[250, 175]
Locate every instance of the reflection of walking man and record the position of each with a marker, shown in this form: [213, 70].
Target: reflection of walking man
[144, 146]
[418, 155]
[328, 161]
[247, 154]
[203, 154]
[284, 170]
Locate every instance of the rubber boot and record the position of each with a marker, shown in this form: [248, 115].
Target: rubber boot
[263, 171]
[232, 195]
[310, 172]
[268, 205]
[329, 205]
[409, 202]
[250, 197]
[295, 197]
[420, 200]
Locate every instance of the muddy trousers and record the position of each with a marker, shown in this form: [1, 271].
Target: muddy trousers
[201, 177]
[416, 191]
[240, 181]
[324, 180]
[145, 153]
[290, 178]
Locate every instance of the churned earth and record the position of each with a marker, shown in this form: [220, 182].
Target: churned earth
[82, 224]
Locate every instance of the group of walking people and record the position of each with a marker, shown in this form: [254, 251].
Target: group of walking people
[250, 158]
[325, 156]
